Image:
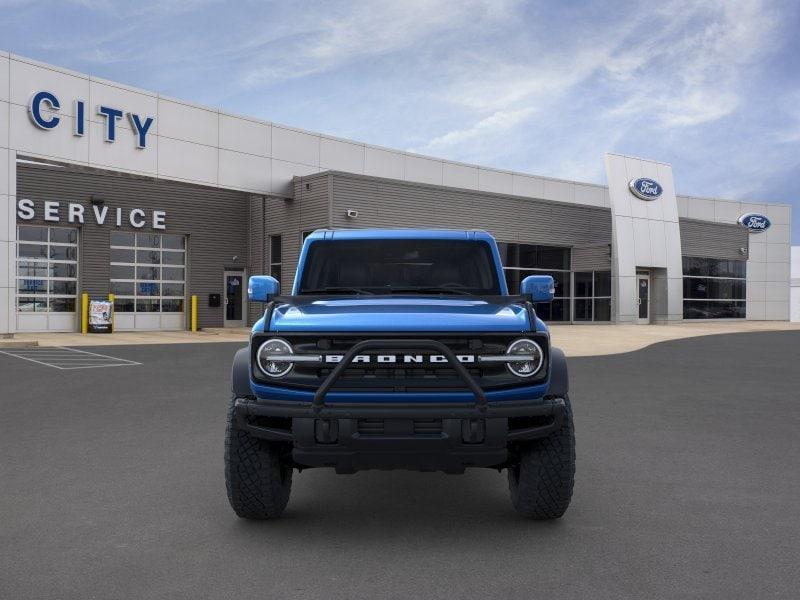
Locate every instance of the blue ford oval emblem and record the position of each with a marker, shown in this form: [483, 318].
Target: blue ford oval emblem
[754, 222]
[646, 189]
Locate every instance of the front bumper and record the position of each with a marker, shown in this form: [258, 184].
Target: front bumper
[343, 436]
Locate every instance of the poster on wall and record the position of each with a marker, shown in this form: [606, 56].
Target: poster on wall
[100, 316]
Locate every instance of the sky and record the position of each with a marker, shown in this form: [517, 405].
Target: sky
[711, 87]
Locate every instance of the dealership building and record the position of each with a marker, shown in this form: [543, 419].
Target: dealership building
[107, 189]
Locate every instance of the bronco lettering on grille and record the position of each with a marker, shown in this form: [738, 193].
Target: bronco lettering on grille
[406, 359]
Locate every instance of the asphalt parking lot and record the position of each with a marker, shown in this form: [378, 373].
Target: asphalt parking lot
[111, 486]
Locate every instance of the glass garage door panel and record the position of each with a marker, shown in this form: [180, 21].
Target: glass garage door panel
[148, 279]
[46, 278]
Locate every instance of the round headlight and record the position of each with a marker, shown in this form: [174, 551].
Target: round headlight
[530, 365]
[269, 366]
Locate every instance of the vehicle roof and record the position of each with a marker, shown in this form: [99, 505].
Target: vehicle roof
[399, 234]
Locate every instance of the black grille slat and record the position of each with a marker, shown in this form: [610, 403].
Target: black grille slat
[418, 426]
[370, 426]
[428, 426]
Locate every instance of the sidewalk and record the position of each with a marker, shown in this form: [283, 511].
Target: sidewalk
[575, 340]
[596, 340]
[124, 338]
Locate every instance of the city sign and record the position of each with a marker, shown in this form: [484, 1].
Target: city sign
[44, 106]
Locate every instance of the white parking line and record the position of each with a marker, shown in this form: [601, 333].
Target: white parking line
[68, 359]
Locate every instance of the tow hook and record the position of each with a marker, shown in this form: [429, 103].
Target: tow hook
[473, 431]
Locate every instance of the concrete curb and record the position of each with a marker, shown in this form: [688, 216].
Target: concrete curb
[18, 344]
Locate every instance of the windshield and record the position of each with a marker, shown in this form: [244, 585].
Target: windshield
[414, 266]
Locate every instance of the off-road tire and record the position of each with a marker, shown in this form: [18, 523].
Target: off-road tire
[258, 482]
[541, 483]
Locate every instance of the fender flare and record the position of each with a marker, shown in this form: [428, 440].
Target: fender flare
[240, 374]
[559, 376]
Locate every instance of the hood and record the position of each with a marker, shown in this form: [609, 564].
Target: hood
[399, 314]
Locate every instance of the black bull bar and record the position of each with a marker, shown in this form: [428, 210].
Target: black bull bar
[389, 345]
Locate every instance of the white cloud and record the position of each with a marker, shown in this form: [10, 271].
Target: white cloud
[666, 67]
[492, 125]
[349, 32]
[690, 72]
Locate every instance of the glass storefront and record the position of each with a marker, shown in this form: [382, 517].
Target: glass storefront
[592, 296]
[589, 299]
[521, 260]
[148, 272]
[714, 288]
[47, 269]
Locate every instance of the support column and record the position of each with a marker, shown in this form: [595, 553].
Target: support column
[645, 235]
[8, 239]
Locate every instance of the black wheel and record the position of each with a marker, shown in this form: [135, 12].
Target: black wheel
[541, 483]
[258, 482]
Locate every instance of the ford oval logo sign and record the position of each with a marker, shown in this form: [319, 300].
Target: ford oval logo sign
[754, 222]
[646, 189]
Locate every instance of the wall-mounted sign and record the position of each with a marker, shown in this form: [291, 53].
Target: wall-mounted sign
[52, 211]
[646, 189]
[44, 106]
[100, 316]
[754, 222]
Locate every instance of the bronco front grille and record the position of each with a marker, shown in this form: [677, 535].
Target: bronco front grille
[356, 372]
[402, 375]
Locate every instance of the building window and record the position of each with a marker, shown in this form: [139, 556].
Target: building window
[47, 269]
[275, 256]
[148, 272]
[714, 288]
[521, 260]
[592, 296]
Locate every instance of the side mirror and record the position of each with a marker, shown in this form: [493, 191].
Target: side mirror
[538, 288]
[262, 288]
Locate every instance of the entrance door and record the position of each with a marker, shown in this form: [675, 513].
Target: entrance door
[643, 288]
[234, 299]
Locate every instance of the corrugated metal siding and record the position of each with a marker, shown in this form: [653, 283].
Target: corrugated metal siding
[313, 193]
[713, 240]
[308, 210]
[290, 218]
[591, 258]
[214, 219]
[390, 203]
[282, 217]
[255, 250]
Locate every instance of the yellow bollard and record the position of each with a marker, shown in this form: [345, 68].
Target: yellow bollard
[194, 313]
[111, 298]
[84, 312]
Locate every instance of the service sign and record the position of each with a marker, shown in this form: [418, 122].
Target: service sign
[645, 189]
[754, 222]
[100, 316]
[72, 212]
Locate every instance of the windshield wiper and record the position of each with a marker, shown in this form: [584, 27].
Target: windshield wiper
[336, 289]
[432, 289]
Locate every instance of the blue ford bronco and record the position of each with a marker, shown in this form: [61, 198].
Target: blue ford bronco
[399, 349]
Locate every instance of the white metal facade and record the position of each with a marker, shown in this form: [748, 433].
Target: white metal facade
[795, 285]
[206, 146]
